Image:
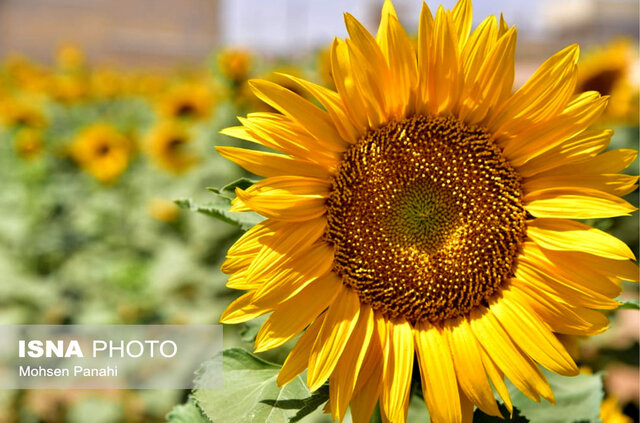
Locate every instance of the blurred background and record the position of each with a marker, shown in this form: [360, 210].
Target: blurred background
[110, 110]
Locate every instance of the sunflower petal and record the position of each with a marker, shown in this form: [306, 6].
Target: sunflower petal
[467, 363]
[529, 333]
[399, 353]
[569, 235]
[342, 382]
[306, 306]
[577, 203]
[298, 358]
[336, 330]
[293, 198]
[524, 374]
[314, 120]
[439, 385]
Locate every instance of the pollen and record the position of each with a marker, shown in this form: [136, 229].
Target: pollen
[426, 218]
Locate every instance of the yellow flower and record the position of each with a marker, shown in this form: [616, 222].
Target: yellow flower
[102, 151]
[234, 64]
[323, 66]
[22, 111]
[28, 143]
[163, 210]
[70, 57]
[189, 100]
[167, 144]
[106, 84]
[610, 412]
[69, 88]
[426, 209]
[608, 70]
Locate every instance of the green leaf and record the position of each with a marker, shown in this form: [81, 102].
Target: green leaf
[251, 394]
[219, 209]
[229, 190]
[631, 304]
[187, 413]
[578, 399]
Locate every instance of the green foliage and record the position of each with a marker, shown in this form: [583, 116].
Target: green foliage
[187, 413]
[251, 394]
[577, 400]
[631, 304]
[218, 208]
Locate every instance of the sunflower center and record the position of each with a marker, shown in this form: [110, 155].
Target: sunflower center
[426, 218]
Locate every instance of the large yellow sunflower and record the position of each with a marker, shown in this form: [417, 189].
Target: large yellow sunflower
[426, 209]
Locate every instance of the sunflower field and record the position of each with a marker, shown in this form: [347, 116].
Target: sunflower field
[389, 228]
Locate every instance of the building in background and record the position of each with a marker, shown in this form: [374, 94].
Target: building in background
[131, 32]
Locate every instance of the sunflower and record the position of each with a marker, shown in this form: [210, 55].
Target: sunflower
[608, 69]
[28, 143]
[166, 146]
[610, 412]
[22, 111]
[70, 58]
[102, 151]
[234, 65]
[427, 210]
[188, 100]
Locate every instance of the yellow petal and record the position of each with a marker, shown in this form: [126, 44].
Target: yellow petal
[524, 374]
[544, 95]
[345, 83]
[399, 352]
[288, 244]
[493, 81]
[295, 275]
[426, 63]
[577, 203]
[298, 358]
[342, 382]
[467, 362]
[609, 162]
[283, 134]
[560, 317]
[561, 235]
[292, 198]
[536, 139]
[305, 306]
[332, 102]
[462, 14]
[497, 379]
[586, 144]
[530, 334]
[589, 271]
[267, 164]
[241, 310]
[614, 270]
[439, 385]
[368, 383]
[314, 120]
[336, 330]
[535, 269]
[396, 47]
[615, 184]
[445, 82]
